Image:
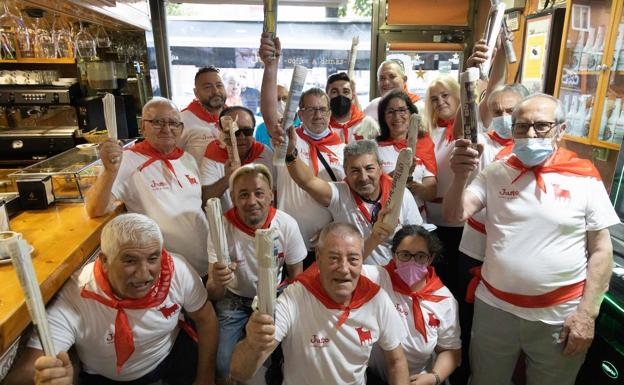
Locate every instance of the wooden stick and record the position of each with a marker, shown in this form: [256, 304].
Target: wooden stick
[399, 180]
[230, 127]
[218, 236]
[294, 94]
[415, 123]
[353, 57]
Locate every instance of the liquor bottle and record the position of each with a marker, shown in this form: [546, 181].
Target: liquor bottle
[618, 47]
[566, 104]
[587, 52]
[607, 131]
[618, 134]
[586, 122]
[597, 50]
[577, 51]
[572, 114]
[579, 120]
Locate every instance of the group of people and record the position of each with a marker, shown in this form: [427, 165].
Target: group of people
[514, 224]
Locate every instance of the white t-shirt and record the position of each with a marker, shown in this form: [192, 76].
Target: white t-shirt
[344, 209]
[388, 156]
[367, 128]
[90, 326]
[315, 352]
[289, 247]
[155, 192]
[473, 240]
[196, 135]
[310, 215]
[536, 241]
[211, 171]
[441, 325]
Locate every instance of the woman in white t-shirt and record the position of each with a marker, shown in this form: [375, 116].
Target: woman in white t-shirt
[395, 110]
[427, 308]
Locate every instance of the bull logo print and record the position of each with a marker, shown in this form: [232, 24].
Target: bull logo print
[433, 321]
[365, 336]
[561, 194]
[191, 179]
[168, 311]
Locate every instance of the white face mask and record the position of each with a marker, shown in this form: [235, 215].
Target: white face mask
[502, 126]
[281, 106]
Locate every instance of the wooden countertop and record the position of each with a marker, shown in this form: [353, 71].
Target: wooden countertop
[63, 237]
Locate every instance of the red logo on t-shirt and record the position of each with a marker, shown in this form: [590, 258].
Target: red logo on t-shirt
[508, 194]
[319, 341]
[400, 309]
[191, 179]
[433, 321]
[561, 194]
[365, 336]
[168, 311]
[159, 185]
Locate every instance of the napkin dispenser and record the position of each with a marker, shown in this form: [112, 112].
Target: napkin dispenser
[35, 193]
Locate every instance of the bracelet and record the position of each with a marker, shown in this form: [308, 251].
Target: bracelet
[437, 377]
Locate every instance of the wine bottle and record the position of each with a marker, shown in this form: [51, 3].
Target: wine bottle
[618, 47]
[597, 50]
[587, 122]
[587, 52]
[572, 114]
[579, 120]
[566, 104]
[577, 51]
[608, 129]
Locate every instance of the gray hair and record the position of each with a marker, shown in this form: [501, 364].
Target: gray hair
[128, 229]
[340, 229]
[560, 115]
[251, 168]
[157, 102]
[360, 147]
[398, 63]
[515, 88]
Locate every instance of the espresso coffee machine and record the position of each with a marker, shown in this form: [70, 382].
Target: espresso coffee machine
[37, 121]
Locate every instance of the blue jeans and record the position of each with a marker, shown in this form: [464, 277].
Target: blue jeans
[233, 311]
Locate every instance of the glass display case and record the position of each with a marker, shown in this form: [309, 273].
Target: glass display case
[588, 81]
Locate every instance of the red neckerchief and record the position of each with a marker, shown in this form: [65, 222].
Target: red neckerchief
[432, 284]
[499, 139]
[356, 117]
[124, 338]
[448, 133]
[504, 152]
[425, 151]
[331, 139]
[413, 97]
[562, 161]
[364, 291]
[385, 184]
[198, 110]
[144, 148]
[232, 216]
[215, 152]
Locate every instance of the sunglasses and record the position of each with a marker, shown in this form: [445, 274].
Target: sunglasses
[244, 131]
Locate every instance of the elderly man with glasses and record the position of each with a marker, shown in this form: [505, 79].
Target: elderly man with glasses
[548, 254]
[216, 167]
[158, 179]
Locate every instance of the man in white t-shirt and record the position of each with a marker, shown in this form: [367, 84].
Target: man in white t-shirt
[158, 179]
[234, 287]
[347, 120]
[548, 256]
[360, 198]
[327, 321]
[201, 116]
[216, 166]
[122, 313]
[317, 144]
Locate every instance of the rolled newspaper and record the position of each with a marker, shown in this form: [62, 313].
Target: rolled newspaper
[399, 179]
[353, 57]
[468, 95]
[267, 270]
[214, 215]
[110, 115]
[229, 127]
[415, 123]
[270, 18]
[510, 53]
[492, 29]
[294, 94]
[12, 245]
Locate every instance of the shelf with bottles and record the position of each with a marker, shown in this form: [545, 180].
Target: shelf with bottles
[585, 58]
[578, 108]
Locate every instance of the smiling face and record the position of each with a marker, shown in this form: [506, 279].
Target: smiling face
[390, 78]
[443, 102]
[162, 138]
[363, 173]
[340, 264]
[134, 271]
[252, 198]
[210, 91]
[397, 116]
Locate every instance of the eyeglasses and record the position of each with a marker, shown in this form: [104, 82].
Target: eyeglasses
[159, 124]
[419, 257]
[314, 110]
[541, 128]
[400, 111]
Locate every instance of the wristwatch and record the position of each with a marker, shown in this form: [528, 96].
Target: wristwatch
[292, 156]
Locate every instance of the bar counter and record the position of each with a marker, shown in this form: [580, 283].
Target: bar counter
[63, 236]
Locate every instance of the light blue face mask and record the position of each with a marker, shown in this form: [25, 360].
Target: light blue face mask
[502, 126]
[533, 151]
